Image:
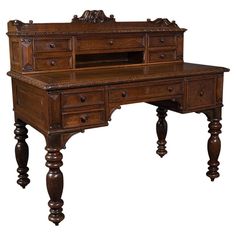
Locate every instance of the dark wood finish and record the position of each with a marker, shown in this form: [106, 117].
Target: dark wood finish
[68, 77]
[161, 128]
[22, 153]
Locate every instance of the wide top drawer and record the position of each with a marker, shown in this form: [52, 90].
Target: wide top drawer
[109, 43]
[52, 45]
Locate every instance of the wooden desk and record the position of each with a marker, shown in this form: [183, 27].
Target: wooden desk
[69, 77]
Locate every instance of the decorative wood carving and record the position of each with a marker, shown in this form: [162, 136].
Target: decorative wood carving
[161, 128]
[165, 24]
[22, 153]
[95, 16]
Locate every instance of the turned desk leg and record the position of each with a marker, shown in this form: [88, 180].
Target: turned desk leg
[54, 183]
[161, 128]
[22, 153]
[214, 144]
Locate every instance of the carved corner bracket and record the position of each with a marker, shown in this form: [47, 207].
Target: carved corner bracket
[94, 16]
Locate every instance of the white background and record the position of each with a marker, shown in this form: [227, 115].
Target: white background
[115, 184]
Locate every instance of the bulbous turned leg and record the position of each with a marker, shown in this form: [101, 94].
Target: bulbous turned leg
[54, 184]
[161, 128]
[22, 153]
[214, 145]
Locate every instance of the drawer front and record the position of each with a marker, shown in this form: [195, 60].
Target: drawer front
[201, 93]
[83, 119]
[53, 63]
[162, 41]
[82, 98]
[141, 92]
[162, 55]
[52, 45]
[110, 43]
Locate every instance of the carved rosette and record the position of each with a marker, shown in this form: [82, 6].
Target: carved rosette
[95, 16]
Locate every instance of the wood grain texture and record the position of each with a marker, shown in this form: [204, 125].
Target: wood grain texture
[69, 77]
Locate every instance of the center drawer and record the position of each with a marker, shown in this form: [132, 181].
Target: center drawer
[127, 42]
[141, 91]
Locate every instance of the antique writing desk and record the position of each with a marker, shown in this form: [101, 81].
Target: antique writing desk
[68, 77]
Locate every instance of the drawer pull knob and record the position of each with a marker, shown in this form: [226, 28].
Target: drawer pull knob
[162, 56]
[111, 42]
[84, 118]
[52, 45]
[82, 98]
[124, 94]
[170, 89]
[201, 93]
[53, 63]
[162, 40]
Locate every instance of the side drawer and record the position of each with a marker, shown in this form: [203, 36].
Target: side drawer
[52, 45]
[161, 41]
[52, 63]
[162, 55]
[201, 92]
[83, 119]
[128, 42]
[81, 98]
[141, 91]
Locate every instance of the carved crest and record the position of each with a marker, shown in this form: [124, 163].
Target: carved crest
[95, 16]
[165, 23]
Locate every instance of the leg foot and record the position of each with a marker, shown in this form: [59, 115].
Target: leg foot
[54, 184]
[22, 153]
[161, 128]
[214, 145]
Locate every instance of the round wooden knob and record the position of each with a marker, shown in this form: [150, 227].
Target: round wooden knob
[53, 63]
[52, 45]
[162, 40]
[162, 56]
[82, 98]
[201, 93]
[111, 42]
[124, 94]
[170, 89]
[84, 118]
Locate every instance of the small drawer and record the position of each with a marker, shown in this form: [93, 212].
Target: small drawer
[162, 41]
[83, 119]
[41, 63]
[81, 98]
[52, 45]
[201, 93]
[162, 55]
[140, 92]
[110, 43]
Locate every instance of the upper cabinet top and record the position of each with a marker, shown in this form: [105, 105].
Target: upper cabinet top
[91, 22]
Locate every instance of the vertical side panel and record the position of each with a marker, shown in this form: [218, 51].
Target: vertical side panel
[27, 58]
[54, 101]
[219, 89]
[180, 47]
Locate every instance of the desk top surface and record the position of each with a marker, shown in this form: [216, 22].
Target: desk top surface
[115, 75]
